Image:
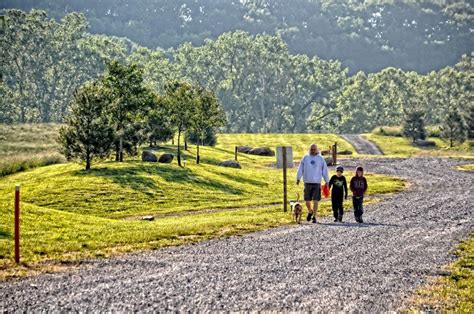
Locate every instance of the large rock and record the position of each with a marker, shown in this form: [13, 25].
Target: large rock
[244, 149]
[425, 143]
[230, 164]
[262, 151]
[344, 152]
[166, 158]
[149, 156]
[329, 161]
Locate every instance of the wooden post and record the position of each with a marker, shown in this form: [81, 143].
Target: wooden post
[285, 192]
[236, 151]
[17, 224]
[334, 153]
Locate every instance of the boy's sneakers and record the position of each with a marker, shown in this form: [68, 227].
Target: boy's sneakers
[314, 219]
[308, 218]
[336, 220]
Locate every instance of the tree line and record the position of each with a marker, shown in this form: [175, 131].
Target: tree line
[261, 85]
[116, 113]
[364, 35]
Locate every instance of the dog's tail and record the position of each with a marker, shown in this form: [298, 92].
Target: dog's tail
[297, 196]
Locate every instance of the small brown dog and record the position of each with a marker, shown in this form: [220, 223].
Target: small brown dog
[296, 209]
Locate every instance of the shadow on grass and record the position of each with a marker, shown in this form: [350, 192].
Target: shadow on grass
[241, 179]
[136, 177]
[5, 235]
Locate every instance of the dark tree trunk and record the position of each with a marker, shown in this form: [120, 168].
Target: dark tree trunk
[121, 149]
[179, 149]
[117, 152]
[185, 143]
[197, 155]
[88, 161]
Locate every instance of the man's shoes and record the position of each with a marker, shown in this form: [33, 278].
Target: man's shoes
[336, 220]
[314, 220]
[308, 218]
[360, 220]
[339, 218]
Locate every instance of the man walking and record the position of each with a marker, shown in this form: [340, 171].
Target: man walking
[312, 169]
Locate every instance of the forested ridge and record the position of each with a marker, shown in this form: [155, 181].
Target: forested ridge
[261, 84]
[364, 35]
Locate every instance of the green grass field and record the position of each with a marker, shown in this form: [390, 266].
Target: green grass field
[394, 146]
[70, 214]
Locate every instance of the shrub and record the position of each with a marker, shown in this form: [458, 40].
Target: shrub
[388, 131]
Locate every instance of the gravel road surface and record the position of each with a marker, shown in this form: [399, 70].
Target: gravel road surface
[361, 145]
[328, 266]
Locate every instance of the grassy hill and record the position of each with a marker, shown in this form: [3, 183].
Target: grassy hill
[70, 214]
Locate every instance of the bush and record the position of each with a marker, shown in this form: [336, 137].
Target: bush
[433, 131]
[388, 131]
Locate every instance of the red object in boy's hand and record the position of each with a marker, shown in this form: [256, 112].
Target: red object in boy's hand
[325, 190]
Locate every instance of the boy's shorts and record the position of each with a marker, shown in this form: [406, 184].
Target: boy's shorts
[312, 191]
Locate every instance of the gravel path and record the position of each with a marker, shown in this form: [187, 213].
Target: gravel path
[362, 145]
[348, 267]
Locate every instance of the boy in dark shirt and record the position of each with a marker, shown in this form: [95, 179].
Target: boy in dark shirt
[358, 187]
[339, 192]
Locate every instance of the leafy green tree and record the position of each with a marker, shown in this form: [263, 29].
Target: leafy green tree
[454, 129]
[87, 135]
[157, 125]
[180, 100]
[414, 127]
[128, 98]
[208, 115]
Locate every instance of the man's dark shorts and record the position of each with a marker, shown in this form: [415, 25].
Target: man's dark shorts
[312, 191]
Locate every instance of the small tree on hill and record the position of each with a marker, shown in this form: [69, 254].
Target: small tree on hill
[414, 126]
[208, 116]
[181, 108]
[454, 128]
[127, 99]
[87, 135]
[157, 122]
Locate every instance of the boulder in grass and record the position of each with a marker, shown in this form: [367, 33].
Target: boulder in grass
[325, 152]
[344, 152]
[166, 158]
[149, 156]
[425, 143]
[262, 151]
[244, 149]
[230, 164]
[329, 161]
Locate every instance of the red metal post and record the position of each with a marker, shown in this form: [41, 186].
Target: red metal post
[17, 224]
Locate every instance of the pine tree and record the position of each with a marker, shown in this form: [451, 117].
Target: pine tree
[414, 126]
[454, 129]
[87, 135]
